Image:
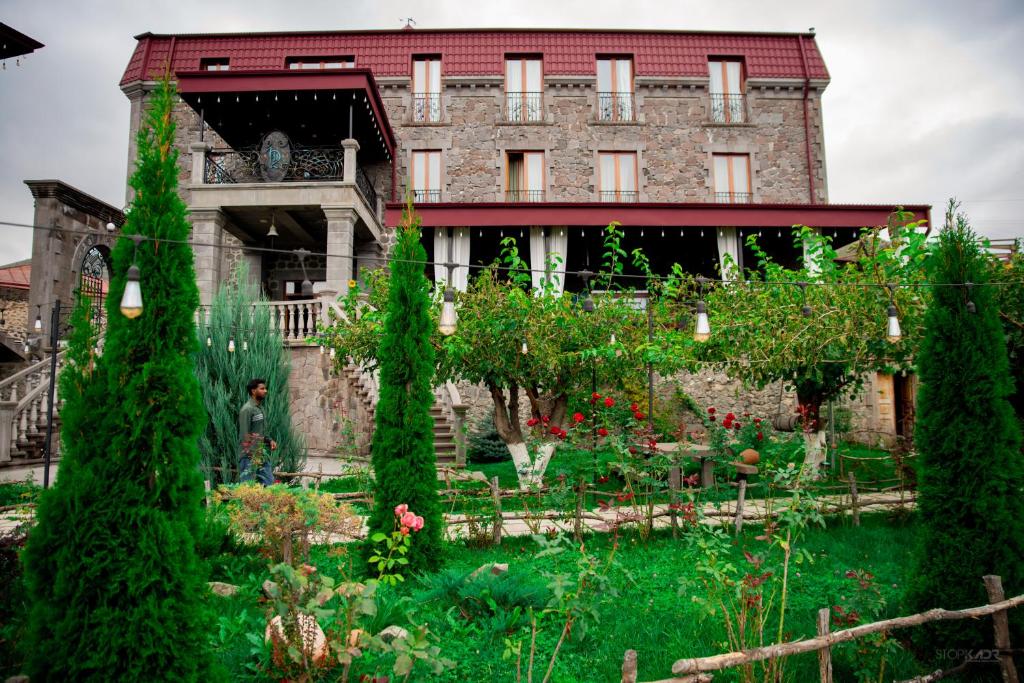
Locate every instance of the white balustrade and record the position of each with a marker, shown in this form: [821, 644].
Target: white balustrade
[295, 320]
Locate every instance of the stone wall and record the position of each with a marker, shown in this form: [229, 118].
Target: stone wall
[14, 303]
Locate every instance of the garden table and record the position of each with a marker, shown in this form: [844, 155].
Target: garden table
[696, 451]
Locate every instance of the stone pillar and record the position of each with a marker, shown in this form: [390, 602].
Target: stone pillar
[207, 233]
[199, 150]
[254, 261]
[351, 147]
[341, 227]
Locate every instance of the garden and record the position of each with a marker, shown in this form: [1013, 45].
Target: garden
[607, 526]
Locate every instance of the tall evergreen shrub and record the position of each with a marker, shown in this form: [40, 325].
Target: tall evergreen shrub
[971, 490]
[259, 352]
[115, 586]
[403, 456]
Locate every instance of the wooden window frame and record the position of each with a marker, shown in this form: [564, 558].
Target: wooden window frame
[617, 156]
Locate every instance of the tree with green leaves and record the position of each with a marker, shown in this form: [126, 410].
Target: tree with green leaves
[971, 476]
[404, 463]
[1010, 302]
[237, 343]
[111, 568]
[818, 329]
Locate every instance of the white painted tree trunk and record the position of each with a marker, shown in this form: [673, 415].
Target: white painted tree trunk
[814, 452]
[530, 470]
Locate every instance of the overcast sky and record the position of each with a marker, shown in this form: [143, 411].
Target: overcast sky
[926, 100]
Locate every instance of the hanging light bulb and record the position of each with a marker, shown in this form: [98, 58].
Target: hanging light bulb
[702, 332]
[332, 353]
[525, 349]
[322, 350]
[231, 345]
[806, 310]
[131, 300]
[38, 324]
[701, 232]
[449, 318]
[641, 232]
[209, 341]
[245, 344]
[272, 232]
[971, 308]
[611, 340]
[892, 330]
[663, 232]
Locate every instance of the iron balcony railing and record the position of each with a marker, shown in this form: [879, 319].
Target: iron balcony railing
[365, 188]
[629, 197]
[728, 108]
[733, 197]
[524, 107]
[616, 106]
[426, 107]
[524, 195]
[224, 166]
[426, 196]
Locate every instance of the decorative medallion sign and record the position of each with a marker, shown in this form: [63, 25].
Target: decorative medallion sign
[275, 156]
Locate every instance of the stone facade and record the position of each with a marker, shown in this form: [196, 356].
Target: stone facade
[326, 409]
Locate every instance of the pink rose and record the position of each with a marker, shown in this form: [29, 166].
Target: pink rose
[401, 509]
[408, 519]
[418, 523]
[404, 531]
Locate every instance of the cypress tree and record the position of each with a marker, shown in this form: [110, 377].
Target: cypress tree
[111, 566]
[259, 352]
[971, 489]
[404, 462]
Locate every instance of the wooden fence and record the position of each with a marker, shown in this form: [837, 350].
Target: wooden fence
[697, 670]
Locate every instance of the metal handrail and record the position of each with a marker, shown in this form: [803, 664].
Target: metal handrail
[734, 197]
[523, 107]
[365, 188]
[229, 166]
[426, 107]
[524, 195]
[728, 108]
[616, 106]
[426, 196]
[630, 197]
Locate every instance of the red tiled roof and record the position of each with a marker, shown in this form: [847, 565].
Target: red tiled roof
[481, 52]
[16, 275]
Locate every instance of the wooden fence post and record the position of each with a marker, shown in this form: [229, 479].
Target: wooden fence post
[577, 522]
[853, 499]
[994, 586]
[675, 481]
[824, 654]
[739, 505]
[629, 667]
[496, 494]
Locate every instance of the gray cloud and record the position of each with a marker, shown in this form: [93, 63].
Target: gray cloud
[924, 101]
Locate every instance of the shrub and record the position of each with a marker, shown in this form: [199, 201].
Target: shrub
[503, 601]
[485, 446]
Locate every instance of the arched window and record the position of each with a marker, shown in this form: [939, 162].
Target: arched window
[94, 280]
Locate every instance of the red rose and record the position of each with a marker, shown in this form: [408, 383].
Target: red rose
[652, 444]
[711, 411]
[727, 424]
[602, 479]
[760, 436]
[545, 419]
[634, 407]
[736, 426]
[711, 417]
[577, 417]
[602, 432]
[632, 451]
[562, 434]
[730, 417]
[638, 416]
[746, 414]
[555, 430]
[757, 420]
[609, 402]
[595, 396]
[532, 422]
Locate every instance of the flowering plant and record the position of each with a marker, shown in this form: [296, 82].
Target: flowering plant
[398, 541]
[255, 447]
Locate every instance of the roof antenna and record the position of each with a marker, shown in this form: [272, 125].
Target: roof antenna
[409, 23]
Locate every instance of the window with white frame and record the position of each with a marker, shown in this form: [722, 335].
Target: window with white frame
[524, 177]
[524, 89]
[728, 91]
[617, 177]
[426, 89]
[426, 176]
[732, 178]
[615, 100]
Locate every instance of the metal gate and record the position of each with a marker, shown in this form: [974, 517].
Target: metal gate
[94, 282]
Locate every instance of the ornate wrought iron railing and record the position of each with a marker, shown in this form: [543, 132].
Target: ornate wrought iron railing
[728, 108]
[630, 197]
[524, 107]
[524, 195]
[616, 106]
[426, 196]
[734, 197]
[244, 166]
[365, 188]
[426, 107]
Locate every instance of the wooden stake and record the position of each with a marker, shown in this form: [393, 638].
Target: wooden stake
[496, 494]
[994, 586]
[739, 504]
[675, 481]
[577, 522]
[629, 667]
[824, 654]
[853, 499]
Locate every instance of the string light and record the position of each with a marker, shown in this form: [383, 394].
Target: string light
[131, 300]
[38, 324]
[446, 324]
[231, 345]
[892, 331]
[245, 344]
[971, 308]
[525, 349]
[209, 341]
[806, 310]
[702, 330]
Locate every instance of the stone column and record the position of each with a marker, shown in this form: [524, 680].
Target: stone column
[199, 150]
[207, 234]
[254, 261]
[341, 227]
[351, 147]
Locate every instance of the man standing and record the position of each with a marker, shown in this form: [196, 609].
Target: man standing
[255, 460]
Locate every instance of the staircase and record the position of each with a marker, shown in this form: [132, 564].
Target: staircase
[23, 410]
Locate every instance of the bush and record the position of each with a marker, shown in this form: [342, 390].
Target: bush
[485, 446]
[502, 601]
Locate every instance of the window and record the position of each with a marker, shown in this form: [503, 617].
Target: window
[213, 64]
[426, 176]
[615, 89]
[426, 89]
[524, 90]
[728, 101]
[335, 62]
[617, 177]
[732, 178]
[524, 179]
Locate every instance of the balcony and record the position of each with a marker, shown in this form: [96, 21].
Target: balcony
[524, 107]
[426, 196]
[728, 108]
[426, 107]
[524, 195]
[622, 196]
[228, 166]
[616, 107]
[734, 197]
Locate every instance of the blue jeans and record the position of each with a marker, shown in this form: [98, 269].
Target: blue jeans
[264, 475]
